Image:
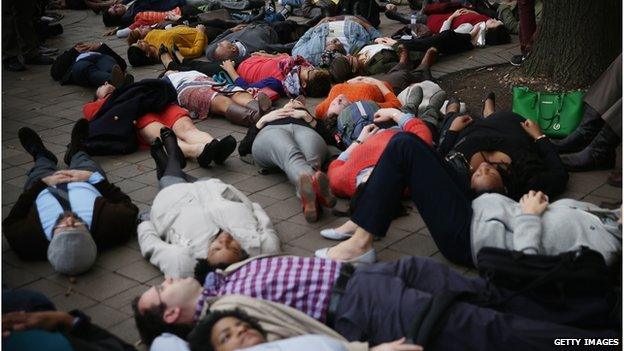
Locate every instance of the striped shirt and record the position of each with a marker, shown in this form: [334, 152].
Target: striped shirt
[302, 283]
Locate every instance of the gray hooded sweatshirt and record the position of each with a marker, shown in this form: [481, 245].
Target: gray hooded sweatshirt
[566, 225]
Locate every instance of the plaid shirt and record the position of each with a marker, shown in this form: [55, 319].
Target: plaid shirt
[302, 283]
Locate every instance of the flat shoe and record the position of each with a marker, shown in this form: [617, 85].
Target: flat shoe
[369, 256]
[332, 234]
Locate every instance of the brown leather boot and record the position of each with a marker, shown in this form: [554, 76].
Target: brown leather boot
[242, 115]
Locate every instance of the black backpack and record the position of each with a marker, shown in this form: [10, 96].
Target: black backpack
[581, 272]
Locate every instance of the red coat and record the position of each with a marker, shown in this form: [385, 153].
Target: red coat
[434, 22]
[342, 174]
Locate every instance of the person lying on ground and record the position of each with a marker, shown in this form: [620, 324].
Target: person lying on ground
[203, 96]
[190, 42]
[234, 329]
[400, 74]
[66, 216]
[346, 36]
[241, 41]
[204, 219]
[354, 165]
[123, 13]
[465, 226]
[285, 75]
[502, 151]
[90, 65]
[359, 88]
[191, 140]
[378, 303]
[292, 140]
[30, 322]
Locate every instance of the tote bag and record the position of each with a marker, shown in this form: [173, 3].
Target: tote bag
[558, 114]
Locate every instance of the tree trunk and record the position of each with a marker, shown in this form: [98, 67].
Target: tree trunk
[576, 40]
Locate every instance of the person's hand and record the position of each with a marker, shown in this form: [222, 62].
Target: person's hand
[385, 41]
[460, 123]
[273, 116]
[200, 28]
[398, 345]
[391, 7]
[534, 203]
[367, 132]
[300, 114]
[387, 114]
[532, 128]
[48, 320]
[76, 175]
[228, 66]
[109, 32]
[174, 17]
[238, 27]
[56, 178]
[83, 47]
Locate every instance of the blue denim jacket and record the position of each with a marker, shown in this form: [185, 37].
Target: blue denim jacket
[312, 44]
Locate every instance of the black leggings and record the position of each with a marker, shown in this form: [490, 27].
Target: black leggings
[445, 206]
[447, 42]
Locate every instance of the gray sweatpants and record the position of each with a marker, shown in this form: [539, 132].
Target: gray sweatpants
[293, 148]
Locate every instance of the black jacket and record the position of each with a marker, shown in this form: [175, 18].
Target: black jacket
[255, 37]
[114, 221]
[61, 68]
[111, 131]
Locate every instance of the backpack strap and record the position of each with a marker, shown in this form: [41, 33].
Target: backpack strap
[61, 194]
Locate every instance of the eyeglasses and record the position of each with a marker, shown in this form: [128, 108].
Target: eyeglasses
[159, 289]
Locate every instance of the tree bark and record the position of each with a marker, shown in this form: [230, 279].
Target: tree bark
[576, 40]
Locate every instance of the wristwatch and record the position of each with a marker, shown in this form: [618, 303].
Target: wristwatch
[81, 321]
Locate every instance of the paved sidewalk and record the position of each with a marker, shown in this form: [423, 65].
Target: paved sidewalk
[33, 99]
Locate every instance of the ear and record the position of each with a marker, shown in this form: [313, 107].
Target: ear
[172, 315]
[304, 83]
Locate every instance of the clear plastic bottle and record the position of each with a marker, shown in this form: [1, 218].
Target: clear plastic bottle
[413, 18]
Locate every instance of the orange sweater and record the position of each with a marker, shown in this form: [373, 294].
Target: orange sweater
[356, 92]
[147, 18]
[342, 174]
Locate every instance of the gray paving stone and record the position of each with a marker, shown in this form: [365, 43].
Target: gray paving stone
[416, 245]
[105, 316]
[140, 271]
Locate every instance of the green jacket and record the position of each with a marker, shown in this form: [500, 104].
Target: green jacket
[508, 14]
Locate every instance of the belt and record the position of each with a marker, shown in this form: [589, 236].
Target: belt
[346, 272]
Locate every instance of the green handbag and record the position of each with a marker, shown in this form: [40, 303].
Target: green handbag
[558, 114]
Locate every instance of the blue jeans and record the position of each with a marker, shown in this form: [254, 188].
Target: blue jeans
[93, 71]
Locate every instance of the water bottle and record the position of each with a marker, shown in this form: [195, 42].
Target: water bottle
[413, 18]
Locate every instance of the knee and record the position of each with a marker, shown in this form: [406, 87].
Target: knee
[183, 126]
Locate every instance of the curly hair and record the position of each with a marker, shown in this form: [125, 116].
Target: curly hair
[200, 338]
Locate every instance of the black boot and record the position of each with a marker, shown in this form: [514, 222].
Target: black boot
[159, 156]
[32, 143]
[600, 154]
[224, 149]
[170, 141]
[78, 135]
[583, 134]
[394, 15]
[205, 158]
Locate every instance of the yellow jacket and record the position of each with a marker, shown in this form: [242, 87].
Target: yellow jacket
[190, 41]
